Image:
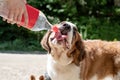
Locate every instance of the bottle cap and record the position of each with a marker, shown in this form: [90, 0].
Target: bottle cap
[55, 28]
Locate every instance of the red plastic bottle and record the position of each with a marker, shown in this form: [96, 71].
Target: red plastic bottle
[37, 20]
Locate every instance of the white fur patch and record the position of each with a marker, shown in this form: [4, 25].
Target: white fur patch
[106, 78]
[62, 72]
[117, 77]
[94, 77]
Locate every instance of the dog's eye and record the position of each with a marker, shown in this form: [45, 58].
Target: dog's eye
[75, 29]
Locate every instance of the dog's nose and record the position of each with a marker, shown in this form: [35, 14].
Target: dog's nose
[65, 28]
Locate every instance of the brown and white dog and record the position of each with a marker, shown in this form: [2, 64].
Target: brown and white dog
[71, 58]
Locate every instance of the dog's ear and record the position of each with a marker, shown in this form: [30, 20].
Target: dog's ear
[80, 47]
[45, 43]
[77, 51]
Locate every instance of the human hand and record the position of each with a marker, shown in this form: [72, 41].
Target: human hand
[16, 9]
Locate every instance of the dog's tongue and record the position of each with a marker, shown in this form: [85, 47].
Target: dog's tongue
[58, 34]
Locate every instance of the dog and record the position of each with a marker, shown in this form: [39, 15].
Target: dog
[72, 58]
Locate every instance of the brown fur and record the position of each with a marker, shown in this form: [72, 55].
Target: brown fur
[45, 43]
[77, 51]
[32, 77]
[100, 59]
[41, 78]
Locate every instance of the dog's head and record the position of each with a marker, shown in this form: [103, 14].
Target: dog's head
[65, 46]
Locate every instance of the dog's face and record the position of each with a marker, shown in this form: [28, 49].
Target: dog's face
[64, 45]
[63, 39]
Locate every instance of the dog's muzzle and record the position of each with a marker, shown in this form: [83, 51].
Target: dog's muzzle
[64, 29]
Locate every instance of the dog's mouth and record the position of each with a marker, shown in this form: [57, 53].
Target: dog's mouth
[61, 37]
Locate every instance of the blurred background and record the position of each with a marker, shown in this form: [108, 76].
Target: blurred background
[95, 19]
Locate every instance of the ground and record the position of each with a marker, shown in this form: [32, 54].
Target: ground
[21, 66]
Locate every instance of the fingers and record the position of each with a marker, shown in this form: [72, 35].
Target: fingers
[26, 18]
[11, 17]
[18, 25]
[4, 19]
[16, 10]
[11, 14]
[19, 17]
[15, 16]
